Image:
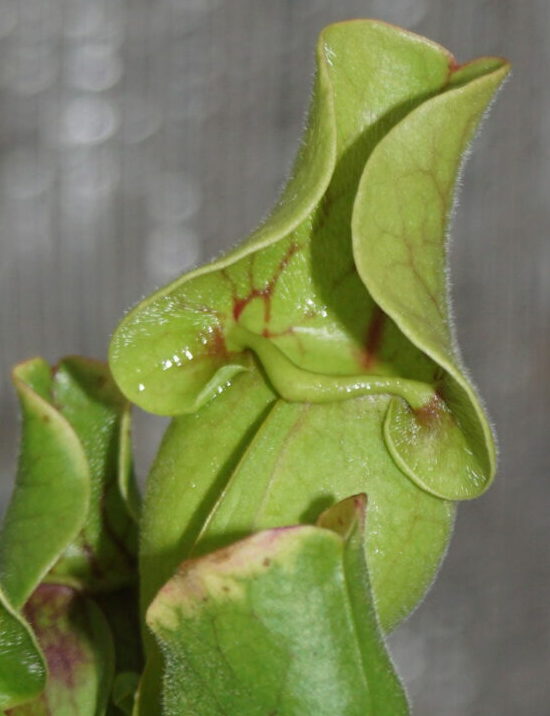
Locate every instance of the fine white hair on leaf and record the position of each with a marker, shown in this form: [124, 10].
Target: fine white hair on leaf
[451, 214]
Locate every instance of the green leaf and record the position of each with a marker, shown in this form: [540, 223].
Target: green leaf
[121, 610]
[197, 457]
[103, 556]
[281, 622]
[69, 528]
[22, 667]
[246, 462]
[400, 215]
[51, 498]
[68, 520]
[294, 280]
[76, 641]
[124, 689]
[297, 375]
[342, 293]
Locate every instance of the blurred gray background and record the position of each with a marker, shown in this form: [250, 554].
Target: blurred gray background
[139, 137]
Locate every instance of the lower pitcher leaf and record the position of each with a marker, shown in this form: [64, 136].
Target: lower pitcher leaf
[22, 667]
[280, 622]
[288, 462]
[77, 644]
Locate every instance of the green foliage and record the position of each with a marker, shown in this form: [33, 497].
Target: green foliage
[22, 667]
[315, 361]
[281, 622]
[249, 461]
[68, 534]
[347, 297]
[76, 641]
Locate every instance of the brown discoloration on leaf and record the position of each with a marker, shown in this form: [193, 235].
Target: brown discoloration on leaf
[431, 414]
[265, 293]
[220, 574]
[343, 516]
[373, 340]
[214, 343]
[51, 611]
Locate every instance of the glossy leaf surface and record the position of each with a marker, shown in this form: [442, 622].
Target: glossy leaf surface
[320, 293]
[281, 622]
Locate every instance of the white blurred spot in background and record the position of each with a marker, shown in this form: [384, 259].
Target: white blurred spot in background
[173, 246]
[172, 197]
[94, 66]
[170, 251]
[89, 178]
[87, 120]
